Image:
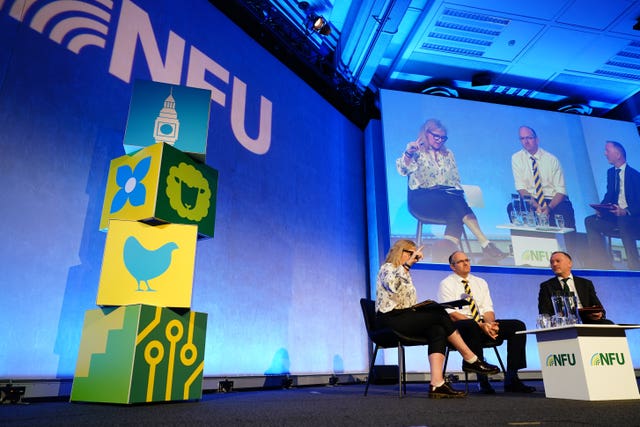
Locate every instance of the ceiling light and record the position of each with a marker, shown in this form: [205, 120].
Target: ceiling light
[483, 78]
[320, 25]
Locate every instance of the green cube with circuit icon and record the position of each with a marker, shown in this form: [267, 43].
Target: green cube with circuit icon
[161, 184]
[139, 354]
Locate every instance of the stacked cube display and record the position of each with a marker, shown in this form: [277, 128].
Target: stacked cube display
[145, 344]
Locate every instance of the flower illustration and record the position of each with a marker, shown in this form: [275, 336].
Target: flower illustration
[131, 188]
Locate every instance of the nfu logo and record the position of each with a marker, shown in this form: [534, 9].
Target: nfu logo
[562, 359]
[607, 359]
[79, 24]
[531, 255]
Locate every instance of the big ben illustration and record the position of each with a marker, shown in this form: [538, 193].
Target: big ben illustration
[167, 124]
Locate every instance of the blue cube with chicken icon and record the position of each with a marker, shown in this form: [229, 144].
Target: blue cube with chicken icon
[160, 184]
[144, 264]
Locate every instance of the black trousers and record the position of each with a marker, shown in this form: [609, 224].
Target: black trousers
[433, 324]
[440, 205]
[474, 337]
[600, 226]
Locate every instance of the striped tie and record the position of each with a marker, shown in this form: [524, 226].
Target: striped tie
[472, 303]
[536, 181]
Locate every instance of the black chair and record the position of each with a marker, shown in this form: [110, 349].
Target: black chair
[489, 343]
[387, 338]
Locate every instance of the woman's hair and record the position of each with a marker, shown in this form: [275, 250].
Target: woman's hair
[395, 253]
[431, 124]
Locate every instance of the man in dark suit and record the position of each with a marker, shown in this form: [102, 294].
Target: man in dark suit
[623, 194]
[564, 281]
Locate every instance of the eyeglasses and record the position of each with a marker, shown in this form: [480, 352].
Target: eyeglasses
[437, 137]
[466, 260]
[527, 138]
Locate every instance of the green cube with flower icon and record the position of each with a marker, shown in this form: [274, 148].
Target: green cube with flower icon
[161, 184]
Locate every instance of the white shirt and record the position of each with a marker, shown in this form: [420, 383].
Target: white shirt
[622, 199]
[549, 168]
[451, 289]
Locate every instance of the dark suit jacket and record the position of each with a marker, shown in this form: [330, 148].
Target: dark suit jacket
[584, 287]
[631, 189]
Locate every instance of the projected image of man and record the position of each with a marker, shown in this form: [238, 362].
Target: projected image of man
[539, 181]
[622, 218]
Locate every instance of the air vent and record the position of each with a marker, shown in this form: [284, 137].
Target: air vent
[625, 64]
[463, 33]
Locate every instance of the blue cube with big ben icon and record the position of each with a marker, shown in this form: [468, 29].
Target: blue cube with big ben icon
[170, 114]
[160, 184]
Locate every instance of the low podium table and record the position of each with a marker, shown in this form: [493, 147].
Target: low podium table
[586, 362]
[534, 245]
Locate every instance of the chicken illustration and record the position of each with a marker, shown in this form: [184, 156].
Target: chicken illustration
[145, 264]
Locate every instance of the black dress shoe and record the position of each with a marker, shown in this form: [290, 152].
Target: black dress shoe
[444, 392]
[518, 386]
[493, 251]
[480, 367]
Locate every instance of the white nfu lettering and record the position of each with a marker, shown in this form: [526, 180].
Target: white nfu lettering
[134, 24]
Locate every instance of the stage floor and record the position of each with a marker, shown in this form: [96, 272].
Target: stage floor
[340, 405]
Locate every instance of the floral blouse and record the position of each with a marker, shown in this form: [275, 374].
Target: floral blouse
[394, 288]
[431, 168]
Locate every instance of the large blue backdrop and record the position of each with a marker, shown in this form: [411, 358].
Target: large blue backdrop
[282, 276]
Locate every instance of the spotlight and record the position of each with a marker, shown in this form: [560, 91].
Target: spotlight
[481, 79]
[582, 109]
[11, 394]
[225, 386]
[441, 91]
[287, 383]
[575, 105]
[320, 25]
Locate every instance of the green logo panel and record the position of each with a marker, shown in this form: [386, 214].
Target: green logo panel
[140, 353]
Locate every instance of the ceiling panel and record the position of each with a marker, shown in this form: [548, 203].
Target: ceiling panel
[542, 51]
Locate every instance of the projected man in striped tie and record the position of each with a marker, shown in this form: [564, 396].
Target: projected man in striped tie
[477, 322]
[540, 182]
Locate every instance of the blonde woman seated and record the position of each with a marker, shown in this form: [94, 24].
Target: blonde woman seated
[395, 296]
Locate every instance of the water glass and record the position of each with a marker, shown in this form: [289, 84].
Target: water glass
[559, 220]
[515, 218]
[543, 219]
[531, 219]
[557, 321]
[543, 321]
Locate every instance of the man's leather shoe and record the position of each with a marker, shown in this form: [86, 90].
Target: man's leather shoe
[480, 367]
[518, 386]
[444, 392]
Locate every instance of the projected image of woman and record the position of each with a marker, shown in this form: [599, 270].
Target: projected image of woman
[435, 192]
[395, 296]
